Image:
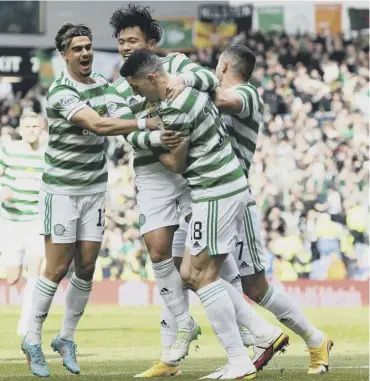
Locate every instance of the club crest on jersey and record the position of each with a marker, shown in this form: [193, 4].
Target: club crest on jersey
[152, 109]
[59, 229]
[66, 101]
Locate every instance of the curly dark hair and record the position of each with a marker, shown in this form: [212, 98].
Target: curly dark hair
[136, 15]
[69, 30]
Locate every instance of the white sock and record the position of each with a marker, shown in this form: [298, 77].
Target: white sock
[229, 271]
[43, 294]
[246, 316]
[26, 303]
[288, 313]
[77, 296]
[168, 334]
[170, 287]
[221, 314]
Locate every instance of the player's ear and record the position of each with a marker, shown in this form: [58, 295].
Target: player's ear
[63, 54]
[152, 44]
[151, 78]
[225, 66]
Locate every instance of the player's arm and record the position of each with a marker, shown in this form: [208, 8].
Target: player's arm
[188, 74]
[67, 103]
[230, 101]
[175, 120]
[117, 108]
[176, 159]
[193, 74]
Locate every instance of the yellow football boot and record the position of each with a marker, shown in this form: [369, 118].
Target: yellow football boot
[319, 357]
[161, 369]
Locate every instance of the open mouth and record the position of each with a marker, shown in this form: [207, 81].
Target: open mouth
[85, 64]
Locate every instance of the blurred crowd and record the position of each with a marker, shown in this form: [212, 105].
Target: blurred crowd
[310, 175]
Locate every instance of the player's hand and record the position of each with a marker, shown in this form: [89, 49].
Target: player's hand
[176, 85]
[154, 123]
[171, 139]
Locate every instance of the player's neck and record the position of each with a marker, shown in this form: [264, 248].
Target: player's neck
[80, 78]
[231, 81]
[162, 87]
[32, 146]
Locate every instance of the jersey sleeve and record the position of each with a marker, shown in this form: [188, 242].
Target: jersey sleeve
[249, 100]
[145, 139]
[194, 75]
[66, 101]
[116, 105]
[176, 120]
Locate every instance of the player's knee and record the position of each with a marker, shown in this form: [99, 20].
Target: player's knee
[57, 273]
[86, 271]
[159, 254]
[254, 293]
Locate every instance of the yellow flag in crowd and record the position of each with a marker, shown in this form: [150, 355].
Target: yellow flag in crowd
[207, 35]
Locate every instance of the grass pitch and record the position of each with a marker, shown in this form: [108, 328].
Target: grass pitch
[115, 343]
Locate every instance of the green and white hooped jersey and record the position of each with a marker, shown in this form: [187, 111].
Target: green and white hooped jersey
[22, 170]
[75, 162]
[213, 170]
[173, 64]
[243, 127]
[145, 161]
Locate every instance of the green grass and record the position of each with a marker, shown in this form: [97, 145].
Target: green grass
[115, 343]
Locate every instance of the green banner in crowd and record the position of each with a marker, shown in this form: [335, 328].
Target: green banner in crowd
[177, 34]
[359, 18]
[270, 19]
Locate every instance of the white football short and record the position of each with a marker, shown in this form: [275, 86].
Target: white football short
[249, 254]
[179, 239]
[20, 242]
[159, 197]
[216, 224]
[73, 218]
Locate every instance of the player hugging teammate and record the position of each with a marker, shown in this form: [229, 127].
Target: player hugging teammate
[193, 167]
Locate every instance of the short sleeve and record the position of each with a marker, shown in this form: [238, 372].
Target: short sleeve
[66, 101]
[116, 105]
[176, 120]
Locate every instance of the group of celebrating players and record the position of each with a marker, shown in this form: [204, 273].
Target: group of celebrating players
[194, 135]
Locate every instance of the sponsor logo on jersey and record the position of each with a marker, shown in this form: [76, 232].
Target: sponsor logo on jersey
[112, 107]
[66, 101]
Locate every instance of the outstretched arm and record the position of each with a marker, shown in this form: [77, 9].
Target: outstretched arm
[66, 102]
[188, 74]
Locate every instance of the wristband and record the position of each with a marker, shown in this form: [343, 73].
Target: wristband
[141, 124]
